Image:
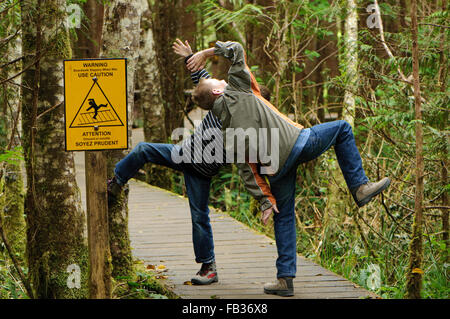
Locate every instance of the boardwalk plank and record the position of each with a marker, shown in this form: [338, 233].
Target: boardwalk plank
[245, 258]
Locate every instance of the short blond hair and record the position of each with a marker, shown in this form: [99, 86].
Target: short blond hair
[203, 96]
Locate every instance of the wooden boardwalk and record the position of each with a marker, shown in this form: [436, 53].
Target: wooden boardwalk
[161, 234]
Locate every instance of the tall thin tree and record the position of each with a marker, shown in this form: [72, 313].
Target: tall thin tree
[414, 276]
[150, 100]
[55, 219]
[120, 38]
[351, 60]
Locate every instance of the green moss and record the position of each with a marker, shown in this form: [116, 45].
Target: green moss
[61, 47]
[121, 258]
[13, 211]
[49, 275]
[142, 283]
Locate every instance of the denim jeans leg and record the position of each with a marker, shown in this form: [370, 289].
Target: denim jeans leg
[197, 188]
[143, 153]
[340, 135]
[283, 189]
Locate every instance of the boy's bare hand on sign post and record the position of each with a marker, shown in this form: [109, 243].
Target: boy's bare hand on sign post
[182, 49]
[268, 212]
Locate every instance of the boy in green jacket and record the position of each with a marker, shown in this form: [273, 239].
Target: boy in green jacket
[247, 116]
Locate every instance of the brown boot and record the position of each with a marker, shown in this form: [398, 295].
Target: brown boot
[282, 287]
[364, 193]
[206, 276]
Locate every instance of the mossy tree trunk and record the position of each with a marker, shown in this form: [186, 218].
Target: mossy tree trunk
[55, 219]
[414, 275]
[442, 80]
[13, 203]
[120, 38]
[150, 100]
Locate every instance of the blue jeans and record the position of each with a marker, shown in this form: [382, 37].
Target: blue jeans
[321, 137]
[197, 187]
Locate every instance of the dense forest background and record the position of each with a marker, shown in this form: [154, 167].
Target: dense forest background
[381, 65]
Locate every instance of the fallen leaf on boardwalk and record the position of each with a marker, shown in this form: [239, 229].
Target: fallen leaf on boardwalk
[161, 277]
[151, 267]
[161, 267]
[417, 271]
[187, 283]
[319, 275]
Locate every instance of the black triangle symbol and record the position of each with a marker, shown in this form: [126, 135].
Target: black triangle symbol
[96, 117]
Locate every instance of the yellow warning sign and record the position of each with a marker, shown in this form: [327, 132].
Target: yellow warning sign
[95, 93]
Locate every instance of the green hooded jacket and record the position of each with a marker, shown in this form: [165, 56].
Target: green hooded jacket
[252, 126]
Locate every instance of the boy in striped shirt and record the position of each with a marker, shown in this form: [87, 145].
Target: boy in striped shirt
[194, 158]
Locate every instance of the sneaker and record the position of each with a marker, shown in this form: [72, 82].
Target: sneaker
[364, 193]
[114, 189]
[282, 287]
[206, 275]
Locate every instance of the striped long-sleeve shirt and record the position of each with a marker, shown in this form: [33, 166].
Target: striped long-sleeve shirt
[205, 145]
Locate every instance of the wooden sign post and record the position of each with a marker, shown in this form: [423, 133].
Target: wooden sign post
[97, 222]
[95, 93]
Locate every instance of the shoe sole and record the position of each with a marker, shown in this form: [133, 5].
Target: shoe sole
[282, 293]
[201, 283]
[369, 198]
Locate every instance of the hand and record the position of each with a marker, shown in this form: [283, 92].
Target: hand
[180, 48]
[196, 62]
[268, 212]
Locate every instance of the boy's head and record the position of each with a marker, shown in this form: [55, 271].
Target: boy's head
[207, 91]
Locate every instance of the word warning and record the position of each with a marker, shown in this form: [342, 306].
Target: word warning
[95, 94]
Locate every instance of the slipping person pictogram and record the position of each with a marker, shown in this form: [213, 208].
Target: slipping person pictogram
[91, 114]
[95, 107]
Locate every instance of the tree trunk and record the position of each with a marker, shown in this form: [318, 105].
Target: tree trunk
[150, 100]
[89, 36]
[414, 276]
[166, 26]
[351, 61]
[442, 80]
[13, 206]
[55, 219]
[121, 39]
[88, 46]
